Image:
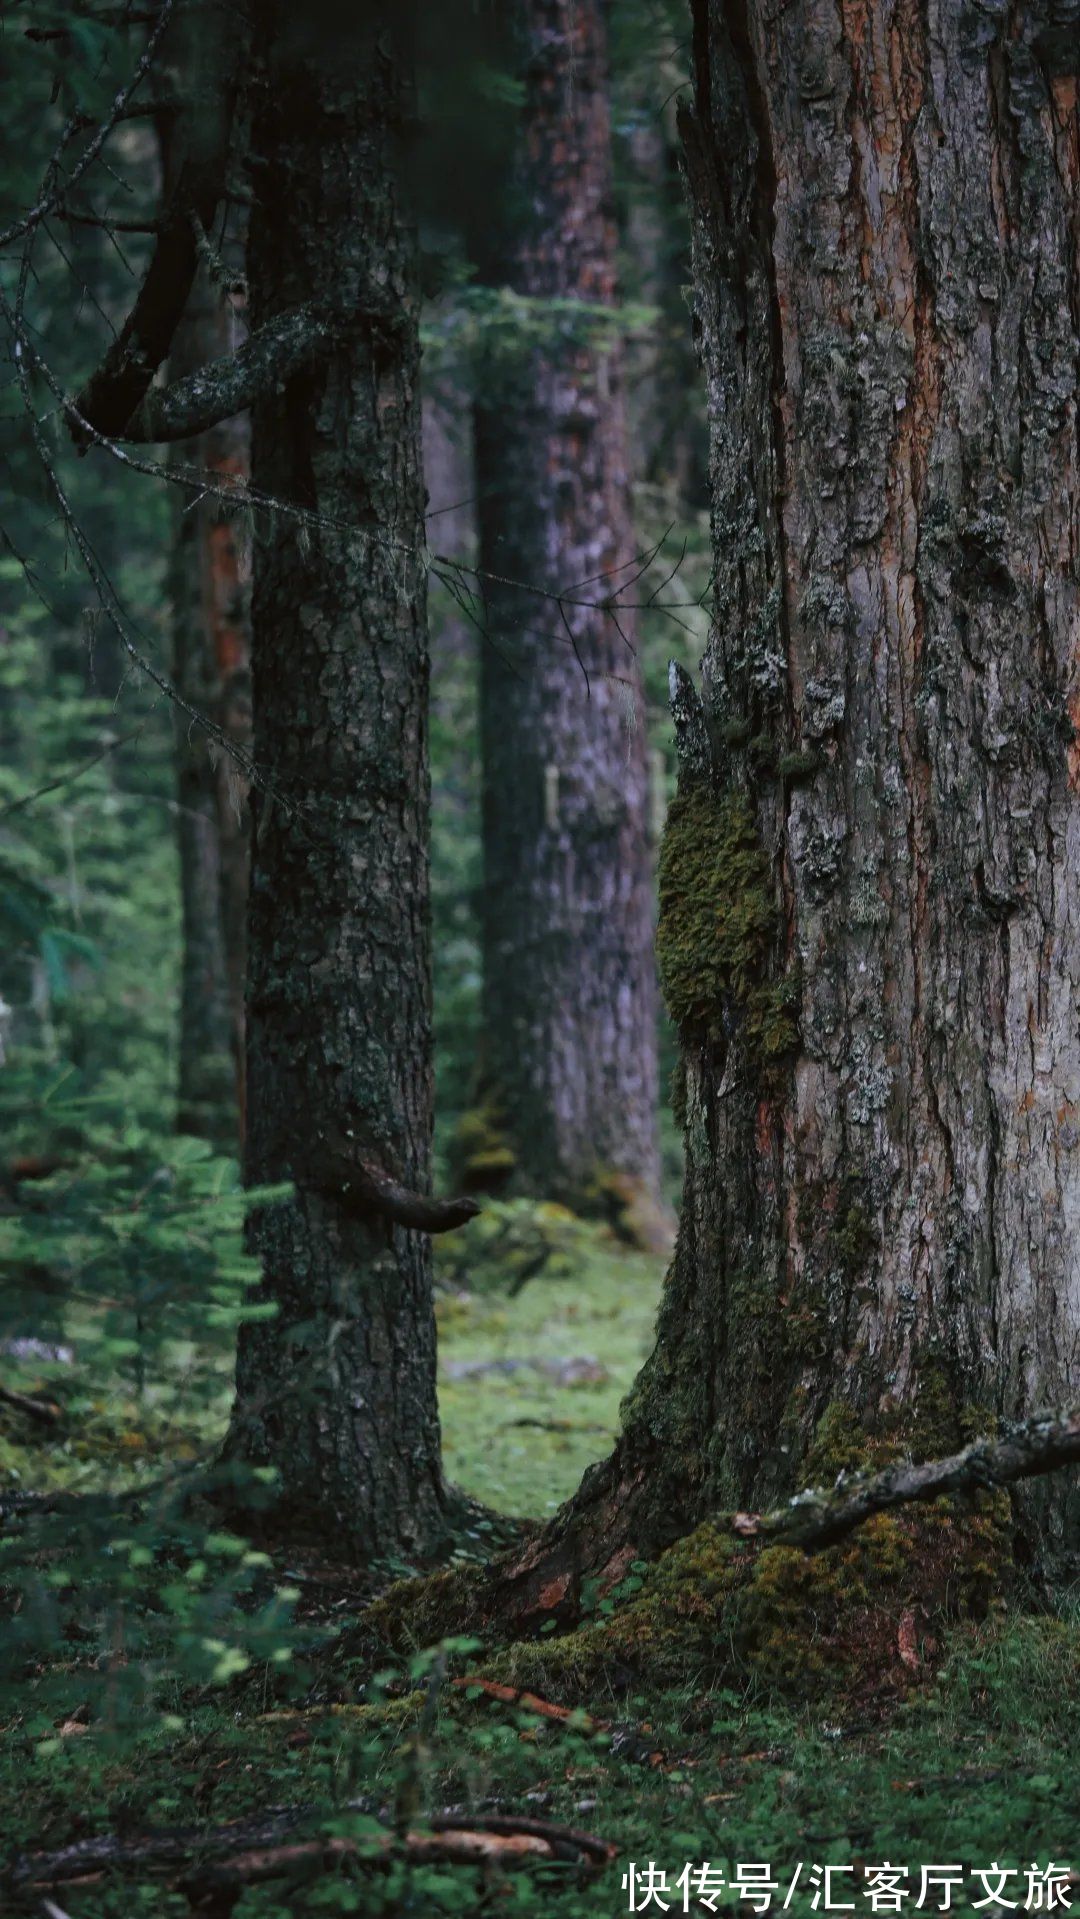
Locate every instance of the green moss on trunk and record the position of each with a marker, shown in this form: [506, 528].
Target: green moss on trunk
[718, 927]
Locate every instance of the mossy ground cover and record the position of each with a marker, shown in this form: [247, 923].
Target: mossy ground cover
[733, 1709]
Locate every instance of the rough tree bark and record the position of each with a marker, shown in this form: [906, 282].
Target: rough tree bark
[338, 1390]
[569, 993]
[211, 647]
[870, 892]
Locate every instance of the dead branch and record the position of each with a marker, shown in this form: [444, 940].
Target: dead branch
[88, 1858]
[201, 138]
[83, 217]
[224, 387]
[105, 17]
[121, 109]
[45, 1411]
[445, 1845]
[531, 1702]
[601, 1534]
[633, 1742]
[821, 1516]
[585, 1845]
[27, 357]
[339, 1168]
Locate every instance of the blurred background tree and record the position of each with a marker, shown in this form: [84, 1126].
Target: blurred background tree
[123, 828]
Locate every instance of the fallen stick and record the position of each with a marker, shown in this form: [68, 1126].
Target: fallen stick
[532, 1702]
[600, 1851]
[86, 1859]
[473, 1845]
[633, 1743]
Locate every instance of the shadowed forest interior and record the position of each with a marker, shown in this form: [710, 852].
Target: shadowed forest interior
[540, 905]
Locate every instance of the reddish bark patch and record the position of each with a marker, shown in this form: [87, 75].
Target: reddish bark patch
[553, 1593]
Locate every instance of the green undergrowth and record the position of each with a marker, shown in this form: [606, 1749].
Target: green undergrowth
[884, 1700]
[974, 1765]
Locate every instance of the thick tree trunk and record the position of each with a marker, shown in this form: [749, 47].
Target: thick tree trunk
[211, 670]
[569, 995]
[338, 1390]
[870, 892]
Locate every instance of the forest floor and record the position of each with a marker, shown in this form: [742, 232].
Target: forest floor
[116, 1729]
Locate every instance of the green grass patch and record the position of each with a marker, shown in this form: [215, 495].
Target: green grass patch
[530, 1387]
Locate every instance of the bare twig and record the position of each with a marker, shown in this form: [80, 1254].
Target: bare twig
[49, 196]
[67, 779]
[25, 354]
[80, 217]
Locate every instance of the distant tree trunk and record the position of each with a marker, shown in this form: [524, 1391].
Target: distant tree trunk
[451, 531]
[338, 1390]
[869, 886]
[209, 590]
[668, 430]
[569, 993]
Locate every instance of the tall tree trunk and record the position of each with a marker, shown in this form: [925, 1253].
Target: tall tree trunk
[668, 431]
[455, 844]
[569, 993]
[869, 886]
[211, 669]
[338, 1390]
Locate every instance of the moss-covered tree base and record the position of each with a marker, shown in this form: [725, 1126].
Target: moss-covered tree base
[858, 1619]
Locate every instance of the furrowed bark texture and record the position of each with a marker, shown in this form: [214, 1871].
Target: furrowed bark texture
[874, 953]
[338, 1391]
[569, 993]
[211, 668]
